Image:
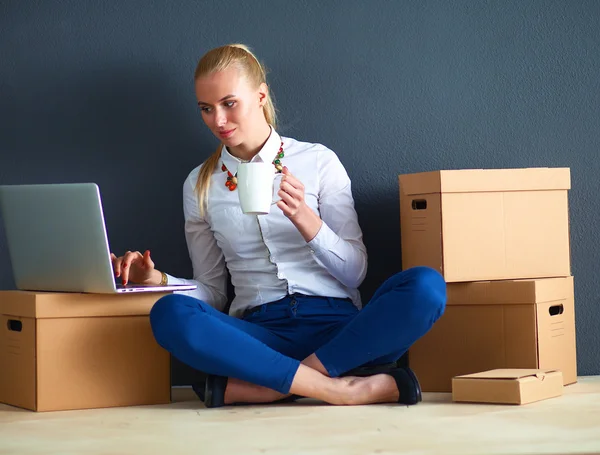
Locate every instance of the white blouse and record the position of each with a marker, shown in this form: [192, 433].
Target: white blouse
[266, 255]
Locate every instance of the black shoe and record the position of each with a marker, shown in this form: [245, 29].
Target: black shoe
[408, 385]
[289, 399]
[211, 390]
[199, 387]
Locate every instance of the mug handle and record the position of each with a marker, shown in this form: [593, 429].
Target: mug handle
[273, 190]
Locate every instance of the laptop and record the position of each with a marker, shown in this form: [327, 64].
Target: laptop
[57, 241]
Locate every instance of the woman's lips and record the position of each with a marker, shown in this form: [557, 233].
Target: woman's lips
[226, 134]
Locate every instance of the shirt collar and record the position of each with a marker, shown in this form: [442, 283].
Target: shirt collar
[266, 154]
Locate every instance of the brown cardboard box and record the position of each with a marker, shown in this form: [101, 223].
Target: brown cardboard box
[499, 324]
[74, 351]
[487, 224]
[512, 386]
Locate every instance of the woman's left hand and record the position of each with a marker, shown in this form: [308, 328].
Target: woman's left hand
[291, 192]
[293, 205]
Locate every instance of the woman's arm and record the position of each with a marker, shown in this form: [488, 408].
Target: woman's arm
[208, 263]
[334, 235]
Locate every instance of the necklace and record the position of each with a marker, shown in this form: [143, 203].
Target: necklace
[231, 181]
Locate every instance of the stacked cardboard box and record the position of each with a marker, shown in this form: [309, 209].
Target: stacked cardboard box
[500, 238]
[63, 351]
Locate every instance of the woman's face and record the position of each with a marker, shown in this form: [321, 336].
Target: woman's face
[231, 107]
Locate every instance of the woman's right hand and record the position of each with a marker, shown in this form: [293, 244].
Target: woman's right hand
[135, 267]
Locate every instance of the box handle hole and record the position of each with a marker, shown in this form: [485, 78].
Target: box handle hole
[14, 325]
[556, 309]
[419, 204]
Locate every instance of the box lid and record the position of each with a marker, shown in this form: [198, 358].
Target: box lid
[509, 373]
[479, 180]
[509, 386]
[510, 292]
[30, 304]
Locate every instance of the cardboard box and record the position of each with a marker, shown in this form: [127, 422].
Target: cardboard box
[499, 324]
[488, 224]
[75, 351]
[510, 386]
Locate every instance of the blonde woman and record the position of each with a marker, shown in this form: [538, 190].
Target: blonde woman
[297, 326]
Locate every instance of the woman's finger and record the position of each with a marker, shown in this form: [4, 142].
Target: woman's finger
[288, 199]
[296, 193]
[289, 177]
[128, 259]
[147, 261]
[117, 266]
[284, 208]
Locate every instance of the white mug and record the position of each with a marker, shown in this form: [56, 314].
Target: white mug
[255, 187]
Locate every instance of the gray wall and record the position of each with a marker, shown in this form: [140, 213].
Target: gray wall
[102, 91]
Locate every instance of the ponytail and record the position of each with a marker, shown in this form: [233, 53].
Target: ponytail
[203, 181]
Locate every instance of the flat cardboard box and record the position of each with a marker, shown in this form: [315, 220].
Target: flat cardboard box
[487, 224]
[507, 386]
[63, 351]
[499, 324]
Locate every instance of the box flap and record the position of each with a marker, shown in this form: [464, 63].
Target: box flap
[479, 180]
[508, 373]
[510, 292]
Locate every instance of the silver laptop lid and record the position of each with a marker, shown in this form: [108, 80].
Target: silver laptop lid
[57, 238]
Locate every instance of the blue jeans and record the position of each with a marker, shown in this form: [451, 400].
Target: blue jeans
[267, 345]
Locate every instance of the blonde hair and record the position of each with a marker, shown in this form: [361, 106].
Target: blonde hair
[216, 60]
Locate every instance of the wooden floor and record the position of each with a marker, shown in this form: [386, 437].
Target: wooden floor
[568, 424]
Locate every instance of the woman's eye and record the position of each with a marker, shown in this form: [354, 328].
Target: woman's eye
[229, 103]
[205, 109]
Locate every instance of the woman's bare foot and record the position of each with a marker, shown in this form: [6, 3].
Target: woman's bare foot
[238, 391]
[380, 388]
[308, 382]
[347, 390]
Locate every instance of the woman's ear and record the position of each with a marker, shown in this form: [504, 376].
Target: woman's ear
[263, 94]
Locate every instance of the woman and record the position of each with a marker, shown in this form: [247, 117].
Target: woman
[296, 326]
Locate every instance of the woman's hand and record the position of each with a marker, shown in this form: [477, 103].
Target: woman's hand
[293, 205]
[135, 267]
[291, 192]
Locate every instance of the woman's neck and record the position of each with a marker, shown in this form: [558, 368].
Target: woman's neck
[249, 148]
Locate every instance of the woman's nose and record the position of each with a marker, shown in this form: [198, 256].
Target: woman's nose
[221, 119]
